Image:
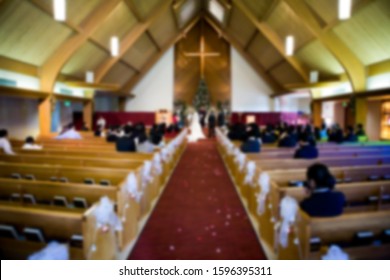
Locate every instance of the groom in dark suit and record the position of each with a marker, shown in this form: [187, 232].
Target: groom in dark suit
[212, 120]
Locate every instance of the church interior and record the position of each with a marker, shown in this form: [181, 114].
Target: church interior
[195, 129]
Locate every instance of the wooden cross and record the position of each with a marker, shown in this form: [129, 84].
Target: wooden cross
[203, 55]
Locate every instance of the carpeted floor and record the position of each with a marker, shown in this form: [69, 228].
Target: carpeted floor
[199, 215]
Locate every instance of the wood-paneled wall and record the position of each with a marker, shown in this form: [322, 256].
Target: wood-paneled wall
[217, 73]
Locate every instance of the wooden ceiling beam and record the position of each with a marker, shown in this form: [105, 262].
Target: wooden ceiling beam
[151, 38]
[270, 10]
[256, 66]
[353, 66]
[133, 9]
[52, 67]
[129, 40]
[13, 65]
[131, 83]
[251, 39]
[273, 38]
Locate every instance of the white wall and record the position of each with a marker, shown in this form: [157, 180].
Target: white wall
[249, 92]
[155, 90]
[22, 81]
[19, 116]
[378, 81]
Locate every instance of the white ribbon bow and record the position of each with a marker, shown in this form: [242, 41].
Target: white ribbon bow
[288, 211]
[131, 187]
[250, 172]
[157, 163]
[264, 184]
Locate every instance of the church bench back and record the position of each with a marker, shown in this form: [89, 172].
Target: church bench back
[74, 174]
[275, 164]
[83, 153]
[335, 230]
[73, 161]
[60, 224]
[45, 191]
[359, 152]
[356, 173]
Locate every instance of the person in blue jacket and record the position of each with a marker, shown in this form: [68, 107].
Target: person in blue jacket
[322, 200]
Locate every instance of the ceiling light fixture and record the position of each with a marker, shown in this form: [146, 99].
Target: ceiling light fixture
[289, 45]
[114, 46]
[314, 76]
[89, 77]
[59, 9]
[345, 7]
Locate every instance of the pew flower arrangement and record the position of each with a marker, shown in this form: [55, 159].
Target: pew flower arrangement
[131, 187]
[265, 186]
[288, 212]
[106, 217]
[147, 177]
[250, 173]
[157, 163]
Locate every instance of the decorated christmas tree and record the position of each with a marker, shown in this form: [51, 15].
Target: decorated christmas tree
[202, 98]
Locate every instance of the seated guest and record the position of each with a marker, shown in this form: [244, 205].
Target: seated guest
[157, 140]
[268, 135]
[237, 132]
[112, 134]
[336, 134]
[360, 131]
[322, 201]
[350, 136]
[126, 143]
[99, 132]
[69, 132]
[323, 133]
[101, 122]
[287, 139]
[144, 145]
[5, 145]
[29, 144]
[252, 144]
[306, 150]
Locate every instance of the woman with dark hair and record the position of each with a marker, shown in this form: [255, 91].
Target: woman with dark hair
[322, 201]
[350, 135]
[29, 144]
[306, 148]
[5, 145]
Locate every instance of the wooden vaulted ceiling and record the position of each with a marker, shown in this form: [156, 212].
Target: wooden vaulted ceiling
[33, 43]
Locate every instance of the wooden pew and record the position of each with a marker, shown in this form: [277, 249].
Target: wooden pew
[56, 224]
[277, 164]
[357, 196]
[131, 213]
[289, 154]
[337, 230]
[44, 191]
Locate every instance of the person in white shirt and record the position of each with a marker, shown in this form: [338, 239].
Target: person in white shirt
[5, 145]
[30, 144]
[101, 122]
[69, 133]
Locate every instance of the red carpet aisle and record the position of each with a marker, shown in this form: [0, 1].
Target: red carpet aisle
[199, 215]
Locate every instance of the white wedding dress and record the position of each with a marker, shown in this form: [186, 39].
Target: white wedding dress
[196, 131]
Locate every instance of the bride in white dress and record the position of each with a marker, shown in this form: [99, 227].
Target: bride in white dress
[196, 131]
